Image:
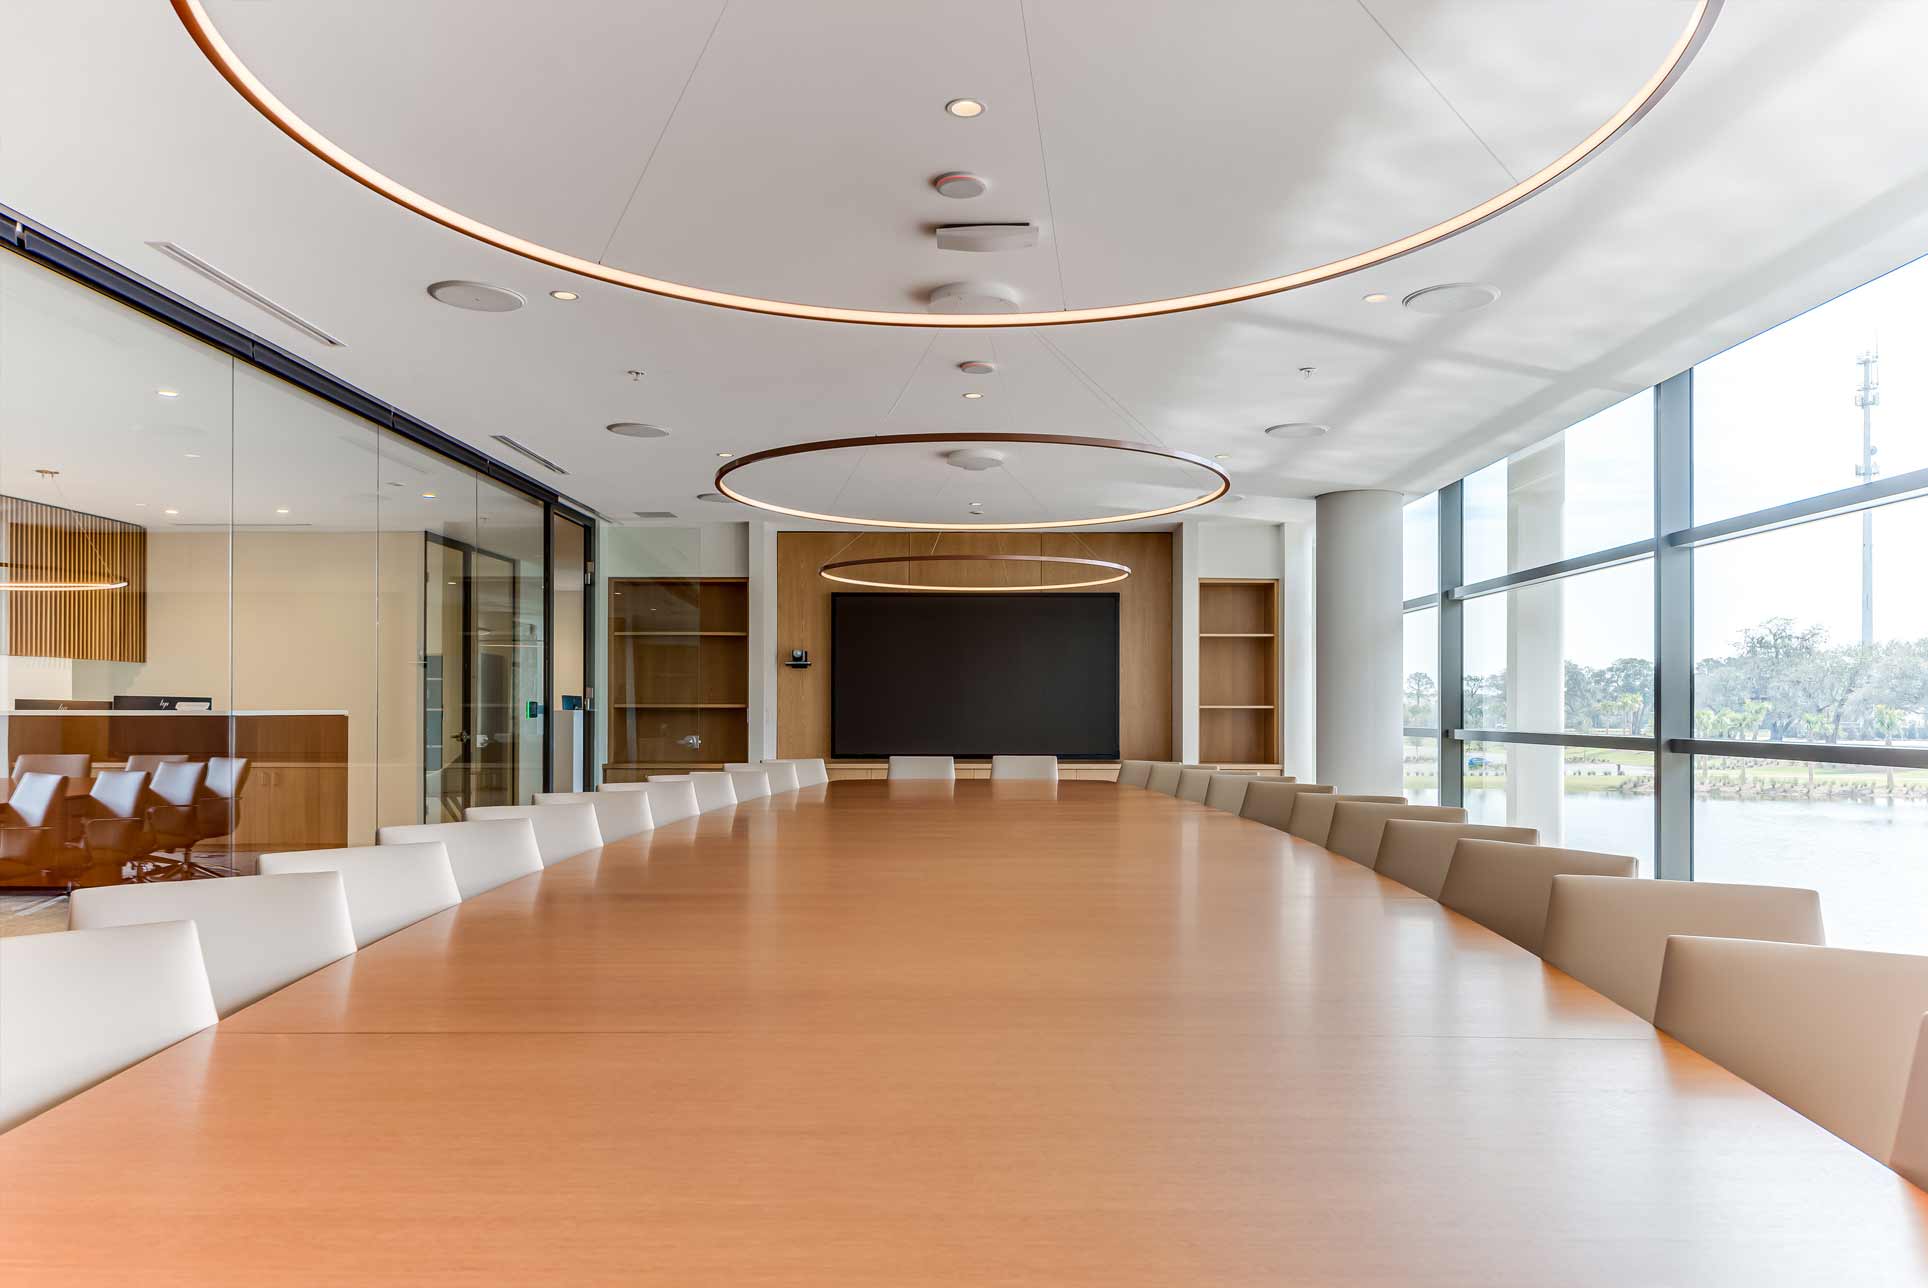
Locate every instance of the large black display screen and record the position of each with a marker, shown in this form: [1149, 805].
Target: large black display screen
[974, 675]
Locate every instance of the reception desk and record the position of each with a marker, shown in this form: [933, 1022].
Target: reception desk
[297, 791]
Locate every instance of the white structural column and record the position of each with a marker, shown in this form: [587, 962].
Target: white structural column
[1185, 550]
[763, 641]
[1361, 641]
[1297, 663]
[1536, 640]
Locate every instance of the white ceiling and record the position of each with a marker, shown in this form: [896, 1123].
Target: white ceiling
[785, 149]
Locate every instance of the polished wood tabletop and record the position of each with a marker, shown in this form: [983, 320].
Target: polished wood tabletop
[924, 1033]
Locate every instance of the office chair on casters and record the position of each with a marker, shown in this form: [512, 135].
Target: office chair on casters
[113, 821]
[33, 824]
[174, 823]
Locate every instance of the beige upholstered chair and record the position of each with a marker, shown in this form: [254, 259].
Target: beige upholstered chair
[1611, 934]
[618, 814]
[714, 789]
[484, 852]
[1226, 791]
[1417, 853]
[1165, 775]
[1911, 1137]
[1269, 800]
[1830, 1032]
[388, 886]
[1040, 768]
[1134, 773]
[258, 934]
[1506, 886]
[1357, 825]
[562, 831]
[1312, 814]
[79, 1006]
[932, 767]
[1195, 781]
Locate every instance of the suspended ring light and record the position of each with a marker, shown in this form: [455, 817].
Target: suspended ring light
[194, 17]
[102, 583]
[1105, 572]
[1222, 481]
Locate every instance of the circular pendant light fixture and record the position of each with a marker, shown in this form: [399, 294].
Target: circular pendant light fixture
[1068, 573]
[1211, 481]
[193, 16]
[106, 581]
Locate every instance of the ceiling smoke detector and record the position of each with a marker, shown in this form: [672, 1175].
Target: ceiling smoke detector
[976, 368]
[972, 297]
[975, 459]
[1298, 429]
[636, 429]
[960, 185]
[1451, 297]
[477, 297]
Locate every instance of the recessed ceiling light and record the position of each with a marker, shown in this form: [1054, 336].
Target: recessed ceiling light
[477, 297]
[1377, 297]
[428, 496]
[563, 295]
[1452, 297]
[964, 107]
[637, 429]
[192, 456]
[170, 510]
[973, 395]
[724, 456]
[281, 509]
[976, 367]
[1223, 456]
[168, 393]
[1298, 429]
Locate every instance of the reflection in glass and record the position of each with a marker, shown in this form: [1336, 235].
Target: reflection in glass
[1422, 546]
[1568, 656]
[1856, 833]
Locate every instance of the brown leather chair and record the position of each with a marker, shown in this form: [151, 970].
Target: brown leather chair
[173, 820]
[75, 765]
[113, 822]
[220, 804]
[148, 764]
[33, 825]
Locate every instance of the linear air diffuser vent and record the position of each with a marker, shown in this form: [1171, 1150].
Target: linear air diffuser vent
[537, 457]
[287, 316]
[654, 514]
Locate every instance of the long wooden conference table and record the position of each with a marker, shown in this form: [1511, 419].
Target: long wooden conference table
[917, 1033]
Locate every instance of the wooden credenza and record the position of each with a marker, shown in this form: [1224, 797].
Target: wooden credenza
[297, 791]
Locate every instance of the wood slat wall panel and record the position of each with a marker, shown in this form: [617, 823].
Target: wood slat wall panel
[50, 543]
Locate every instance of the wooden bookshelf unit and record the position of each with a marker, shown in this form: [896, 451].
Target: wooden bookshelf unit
[1238, 672]
[679, 674]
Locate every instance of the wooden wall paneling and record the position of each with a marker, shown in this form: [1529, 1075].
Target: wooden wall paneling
[50, 543]
[1144, 618]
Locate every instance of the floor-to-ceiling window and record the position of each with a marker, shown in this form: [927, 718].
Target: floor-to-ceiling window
[1760, 589]
[298, 623]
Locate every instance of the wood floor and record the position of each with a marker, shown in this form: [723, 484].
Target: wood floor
[917, 1033]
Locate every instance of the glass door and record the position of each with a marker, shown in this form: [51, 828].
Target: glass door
[446, 732]
[474, 665]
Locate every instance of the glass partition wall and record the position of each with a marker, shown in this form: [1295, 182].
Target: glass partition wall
[1691, 628]
[298, 623]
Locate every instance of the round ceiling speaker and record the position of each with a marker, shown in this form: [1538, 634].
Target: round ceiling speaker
[972, 297]
[636, 429]
[960, 185]
[1452, 297]
[478, 297]
[976, 368]
[975, 459]
[1298, 429]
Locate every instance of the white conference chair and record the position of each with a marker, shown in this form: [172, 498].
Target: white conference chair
[1270, 800]
[1832, 1033]
[664, 778]
[810, 773]
[781, 774]
[1134, 773]
[258, 934]
[1226, 790]
[1312, 813]
[935, 768]
[562, 831]
[1611, 934]
[1358, 825]
[618, 814]
[1506, 886]
[670, 802]
[483, 853]
[78, 1006]
[714, 790]
[749, 784]
[1417, 853]
[1042, 769]
[387, 886]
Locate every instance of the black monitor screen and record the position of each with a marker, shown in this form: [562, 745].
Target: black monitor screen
[974, 675]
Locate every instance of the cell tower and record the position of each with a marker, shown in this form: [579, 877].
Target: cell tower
[1867, 397]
